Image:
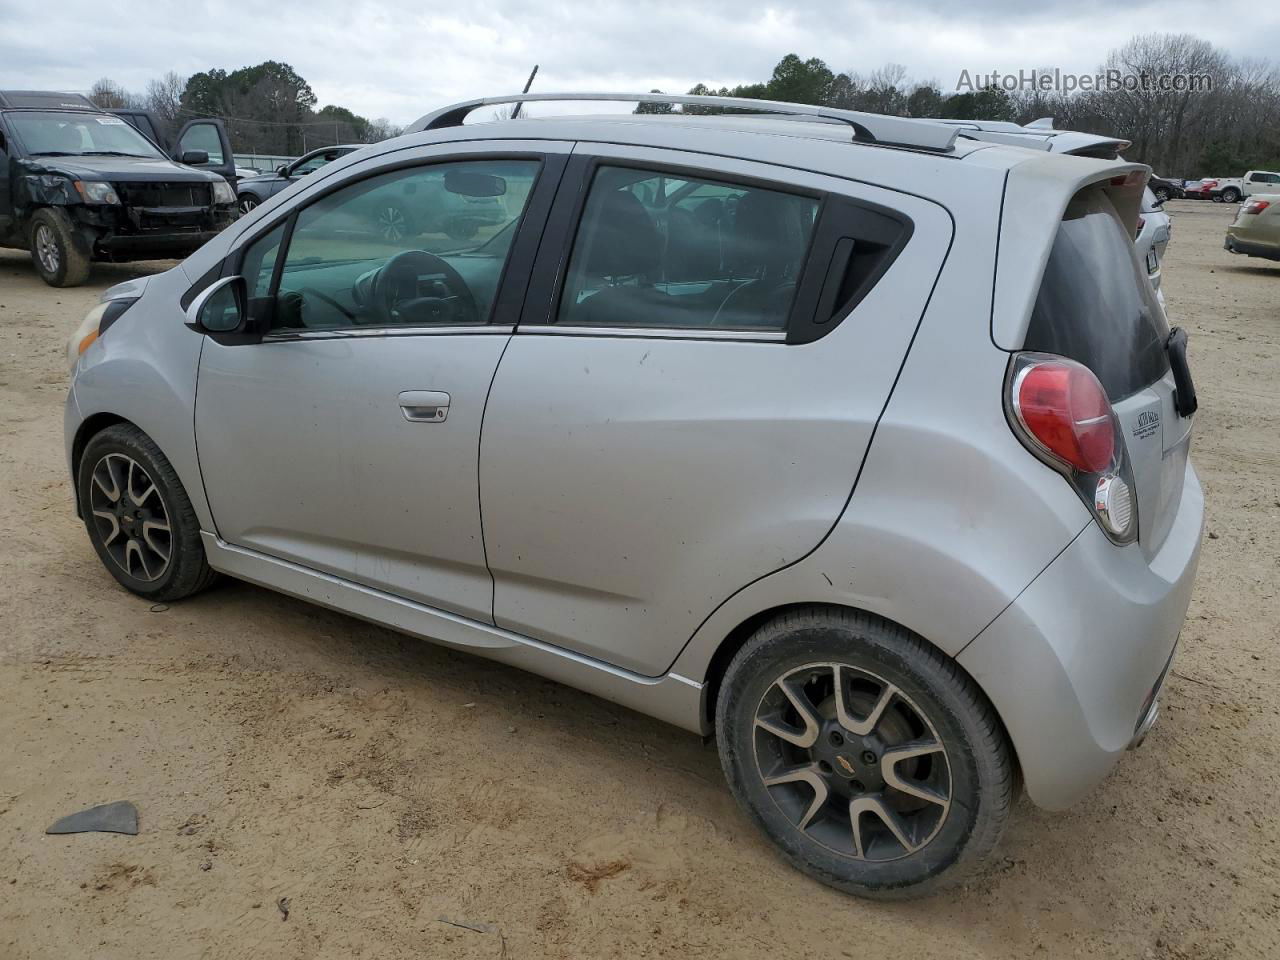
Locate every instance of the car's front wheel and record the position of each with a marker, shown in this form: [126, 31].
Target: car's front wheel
[1161, 194]
[57, 258]
[139, 518]
[871, 760]
[247, 202]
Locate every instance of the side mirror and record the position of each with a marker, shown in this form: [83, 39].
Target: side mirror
[219, 307]
[282, 170]
[194, 158]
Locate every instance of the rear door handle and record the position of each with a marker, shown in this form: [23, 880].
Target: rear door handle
[424, 406]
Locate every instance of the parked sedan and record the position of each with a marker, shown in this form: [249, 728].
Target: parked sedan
[1256, 229]
[1154, 227]
[1199, 189]
[1165, 189]
[254, 190]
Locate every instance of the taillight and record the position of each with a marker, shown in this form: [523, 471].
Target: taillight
[1064, 409]
[1255, 206]
[1062, 414]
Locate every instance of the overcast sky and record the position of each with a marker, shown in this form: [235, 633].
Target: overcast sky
[400, 58]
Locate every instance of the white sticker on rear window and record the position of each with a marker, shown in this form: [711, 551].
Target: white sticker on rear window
[109, 120]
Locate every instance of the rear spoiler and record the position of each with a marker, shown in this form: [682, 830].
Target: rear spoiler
[1036, 196]
[1040, 135]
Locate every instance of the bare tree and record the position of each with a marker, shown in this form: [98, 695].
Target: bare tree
[106, 93]
[164, 96]
[381, 129]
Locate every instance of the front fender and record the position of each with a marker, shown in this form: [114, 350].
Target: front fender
[143, 370]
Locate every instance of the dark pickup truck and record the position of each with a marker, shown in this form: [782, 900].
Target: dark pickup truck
[79, 184]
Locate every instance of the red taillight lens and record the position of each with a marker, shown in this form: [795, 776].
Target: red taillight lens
[1063, 407]
[1256, 206]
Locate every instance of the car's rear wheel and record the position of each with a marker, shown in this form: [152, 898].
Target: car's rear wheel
[393, 222]
[1161, 194]
[1230, 195]
[871, 760]
[139, 518]
[57, 259]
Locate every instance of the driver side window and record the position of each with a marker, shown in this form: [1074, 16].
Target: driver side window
[424, 246]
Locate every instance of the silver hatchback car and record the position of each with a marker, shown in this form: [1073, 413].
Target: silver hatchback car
[858, 442]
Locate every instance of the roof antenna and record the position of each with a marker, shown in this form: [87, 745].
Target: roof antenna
[527, 84]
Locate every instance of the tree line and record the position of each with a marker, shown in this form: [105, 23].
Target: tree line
[267, 109]
[1230, 127]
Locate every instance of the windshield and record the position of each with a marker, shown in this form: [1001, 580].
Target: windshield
[58, 134]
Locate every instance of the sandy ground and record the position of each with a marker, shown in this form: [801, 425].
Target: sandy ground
[403, 800]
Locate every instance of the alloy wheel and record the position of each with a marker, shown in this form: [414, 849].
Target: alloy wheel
[247, 203]
[392, 224]
[130, 517]
[852, 762]
[47, 249]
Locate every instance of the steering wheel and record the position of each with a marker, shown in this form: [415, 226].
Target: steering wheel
[778, 295]
[395, 298]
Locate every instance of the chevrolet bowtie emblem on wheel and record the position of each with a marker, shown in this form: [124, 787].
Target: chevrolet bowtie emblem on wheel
[845, 765]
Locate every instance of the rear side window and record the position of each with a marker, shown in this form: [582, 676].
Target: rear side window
[1095, 305]
[662, 250]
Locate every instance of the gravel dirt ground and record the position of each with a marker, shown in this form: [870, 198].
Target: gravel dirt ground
[402, 800]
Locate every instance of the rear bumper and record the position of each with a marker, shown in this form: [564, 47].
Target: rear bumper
[1251, 248]
[1074, 666]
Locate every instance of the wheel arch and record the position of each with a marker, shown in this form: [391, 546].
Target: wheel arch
[740, 634]
[90, 428]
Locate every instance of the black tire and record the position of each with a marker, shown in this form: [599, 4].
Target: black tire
[246, 202]
[461, 229]
[1230, 195]
[58, 259]
[977, 767]
[1161, 194]
[186, 571]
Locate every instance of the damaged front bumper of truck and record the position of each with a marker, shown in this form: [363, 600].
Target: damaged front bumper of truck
[150, 221]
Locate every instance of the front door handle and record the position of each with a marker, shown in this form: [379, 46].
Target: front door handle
[424, 406]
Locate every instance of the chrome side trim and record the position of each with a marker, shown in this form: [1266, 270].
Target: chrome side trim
[672, 698]
[658, 333]
[342, 333]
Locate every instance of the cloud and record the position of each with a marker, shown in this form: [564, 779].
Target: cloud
[399, 59]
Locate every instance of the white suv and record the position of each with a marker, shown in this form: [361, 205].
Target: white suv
[859, 444]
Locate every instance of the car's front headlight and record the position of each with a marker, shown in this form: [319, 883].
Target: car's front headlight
[85, 334]
[94, 325]
[222, 192]
[96, 191]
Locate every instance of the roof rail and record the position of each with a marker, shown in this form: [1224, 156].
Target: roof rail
[867, 127]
